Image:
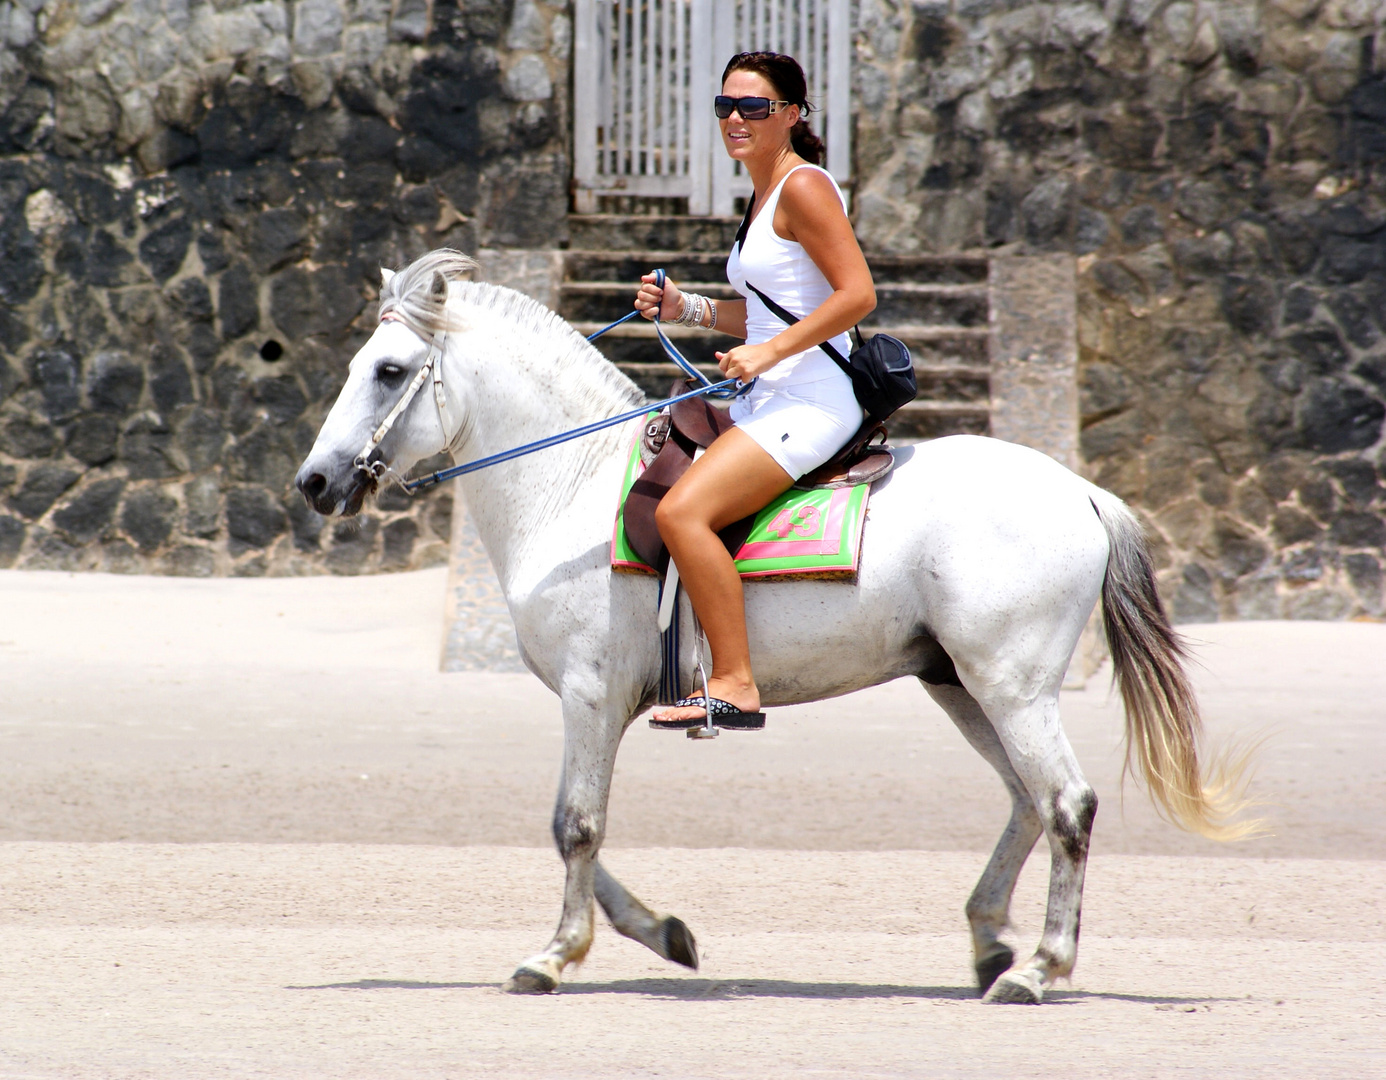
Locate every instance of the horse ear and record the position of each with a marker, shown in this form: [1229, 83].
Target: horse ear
[385, 276]
[439, 287]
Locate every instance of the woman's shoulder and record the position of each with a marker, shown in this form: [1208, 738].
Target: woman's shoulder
[809, 187]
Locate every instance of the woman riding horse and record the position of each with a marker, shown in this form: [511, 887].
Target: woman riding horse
[800, 251]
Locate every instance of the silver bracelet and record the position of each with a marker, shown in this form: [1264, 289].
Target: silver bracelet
[692, 314]
[712, 306]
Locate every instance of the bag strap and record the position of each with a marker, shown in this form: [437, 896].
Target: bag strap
[791, 319]
[745, 226]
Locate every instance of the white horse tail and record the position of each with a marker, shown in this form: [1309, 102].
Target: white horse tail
[1163, 727]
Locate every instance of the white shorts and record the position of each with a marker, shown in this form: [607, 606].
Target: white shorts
[799, 425]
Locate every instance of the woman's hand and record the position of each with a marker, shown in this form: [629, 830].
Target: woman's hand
[669, 300]
[745, 362]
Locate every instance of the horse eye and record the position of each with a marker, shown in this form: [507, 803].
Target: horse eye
[389, 373]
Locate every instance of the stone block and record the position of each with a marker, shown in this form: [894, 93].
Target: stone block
[1317, 603]
[1194, 599]
[92, 439]
[148, 518]
[90, 512]
[165, 247]
[1358, 529]
[528, 27]
[1248, 303]
[324, 301]
[253, 518]
[353, 544]
[1048, 211]
[410, 20]
[147, 449]
[200, 438]
[536, 273]
[57, 375]
[42, 486]
[1034, 354]
[114, 383]
[1364, 572]
[202, 509]
[1256, 598]
[317, 27]
[27, 437]
[398, 544]
[478, 632]
[1333, 415]
[12, 534]
[170, 381]
[188, 560]
[527, 79]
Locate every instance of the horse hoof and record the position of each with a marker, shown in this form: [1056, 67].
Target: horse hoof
[1012, 988]
[679, 945]
[992, 966]
[527, 980]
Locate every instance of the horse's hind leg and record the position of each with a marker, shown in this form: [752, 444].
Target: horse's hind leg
[1040, 754]
[989, 906]
[668, 936]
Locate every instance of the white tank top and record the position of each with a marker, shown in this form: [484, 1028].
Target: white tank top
[782, 270]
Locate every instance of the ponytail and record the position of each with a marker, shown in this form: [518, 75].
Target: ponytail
[806, 144]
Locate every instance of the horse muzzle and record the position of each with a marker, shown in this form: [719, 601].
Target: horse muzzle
[332, 492]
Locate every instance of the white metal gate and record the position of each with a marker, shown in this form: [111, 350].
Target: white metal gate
[645, 73]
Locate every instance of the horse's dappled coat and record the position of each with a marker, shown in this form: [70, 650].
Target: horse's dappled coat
[989, 553]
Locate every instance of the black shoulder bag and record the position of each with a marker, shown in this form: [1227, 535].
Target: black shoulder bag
[881, 369]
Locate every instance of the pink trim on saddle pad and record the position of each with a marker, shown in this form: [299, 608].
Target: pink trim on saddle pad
[830, 543]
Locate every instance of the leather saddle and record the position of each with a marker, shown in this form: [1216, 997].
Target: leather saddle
[672, 438]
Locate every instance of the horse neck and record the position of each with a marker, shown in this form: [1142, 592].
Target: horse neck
[520, 398]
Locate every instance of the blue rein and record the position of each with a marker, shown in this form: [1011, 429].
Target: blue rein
[727, 388]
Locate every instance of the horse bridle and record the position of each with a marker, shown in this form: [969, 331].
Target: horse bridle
[432, 365]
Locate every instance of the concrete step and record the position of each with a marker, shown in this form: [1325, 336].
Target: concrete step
[939, 306]
[896, 304]
[627, 267]
[934, 419]
[625, 232]
[691, 266]
[937, 384]
[932, 347]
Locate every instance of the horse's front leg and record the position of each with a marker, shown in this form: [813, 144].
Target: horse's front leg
[591, 735]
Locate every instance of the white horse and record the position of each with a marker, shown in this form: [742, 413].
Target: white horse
[980, 564]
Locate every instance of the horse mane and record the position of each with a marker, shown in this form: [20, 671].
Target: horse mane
[408, 296]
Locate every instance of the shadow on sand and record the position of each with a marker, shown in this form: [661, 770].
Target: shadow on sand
[725, 989]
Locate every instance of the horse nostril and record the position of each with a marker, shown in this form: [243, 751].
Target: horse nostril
[312, 486]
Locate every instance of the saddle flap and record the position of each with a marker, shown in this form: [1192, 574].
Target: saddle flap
[698, 418]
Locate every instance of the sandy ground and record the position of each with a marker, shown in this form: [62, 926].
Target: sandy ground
[249, 830]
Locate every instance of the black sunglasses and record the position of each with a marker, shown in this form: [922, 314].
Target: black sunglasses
[750, 108]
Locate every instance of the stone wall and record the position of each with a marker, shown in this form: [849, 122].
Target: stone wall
[1217, 169]
[194, 201]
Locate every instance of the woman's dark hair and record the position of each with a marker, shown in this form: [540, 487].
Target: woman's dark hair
[787, 77]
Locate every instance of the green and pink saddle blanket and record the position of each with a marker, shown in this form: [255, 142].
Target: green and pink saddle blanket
[801, 533]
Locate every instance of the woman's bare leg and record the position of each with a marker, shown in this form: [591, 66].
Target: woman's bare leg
[734, 478]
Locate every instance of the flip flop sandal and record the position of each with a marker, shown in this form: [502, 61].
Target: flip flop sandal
[724, 715]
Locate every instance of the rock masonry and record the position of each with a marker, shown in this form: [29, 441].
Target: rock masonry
[1218, 170]
[195, 199]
